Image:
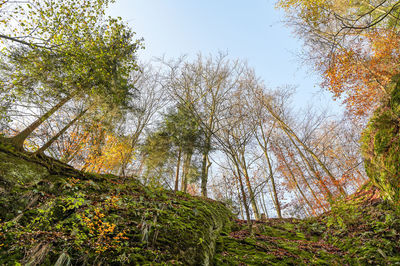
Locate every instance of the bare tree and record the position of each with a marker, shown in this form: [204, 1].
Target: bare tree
[203, 87]
[151, 99]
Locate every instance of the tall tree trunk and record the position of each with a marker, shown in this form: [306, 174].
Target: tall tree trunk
[240, 198]
[178, 164]
[244, 197]
[264, 146]
[291, 133]
[264, 206]
[272, 197]
[276, 199]
[317, 176]
[297, 184]
[20, 138]
[205, 165]
[186, 168]
[308, 184]
[275, 193]
[251, 193]
[62, 131]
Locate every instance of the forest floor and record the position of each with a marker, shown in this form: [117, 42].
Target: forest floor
[360, 230]
[52, 214]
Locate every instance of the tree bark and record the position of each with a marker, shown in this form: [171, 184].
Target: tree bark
[264, 206]
[205, 165]
[177, 170]
[264, 147]
[186, 168]
[244, 197]
[240, 199]
[297, 184]
[20, 138]
[290, 132]
[62, 131]
[251, 193]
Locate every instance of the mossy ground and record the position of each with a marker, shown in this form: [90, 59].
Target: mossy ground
[276, 242]
[84, 219]
[361, 230]
[52, 214]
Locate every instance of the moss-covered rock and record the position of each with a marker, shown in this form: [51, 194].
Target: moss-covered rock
[54, 215]
[381, 145]
[99, 219]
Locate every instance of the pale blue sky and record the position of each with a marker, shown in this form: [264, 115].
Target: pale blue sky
[250, 30]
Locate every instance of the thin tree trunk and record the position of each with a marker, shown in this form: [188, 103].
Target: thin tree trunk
[290, 132]
[264, 147]
[306, 211]
[276, 199]
[251, 193]
[327, 191]
[308, 185]
[244, 197]
[275, 193]
[240, 199]
[331, 177]
[204, 168]
[271, 195]
[204, 175]
[264, 205]
[177, 170]
[19, 139]
[186, 168]
[297, 184]
[62, 131]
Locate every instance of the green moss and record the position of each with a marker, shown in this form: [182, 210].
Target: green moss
[17, 171]
[381, 145]
[91, 218]
[88, 218]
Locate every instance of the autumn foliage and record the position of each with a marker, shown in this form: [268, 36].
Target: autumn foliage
[360, 73]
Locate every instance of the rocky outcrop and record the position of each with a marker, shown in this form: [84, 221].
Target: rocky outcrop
[381, 145]
[49, 216]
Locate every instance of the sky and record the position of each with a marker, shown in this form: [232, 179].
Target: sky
[249, 30]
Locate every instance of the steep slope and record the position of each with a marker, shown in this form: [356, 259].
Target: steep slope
[361, 230]
[52, 214]
[381, 144]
